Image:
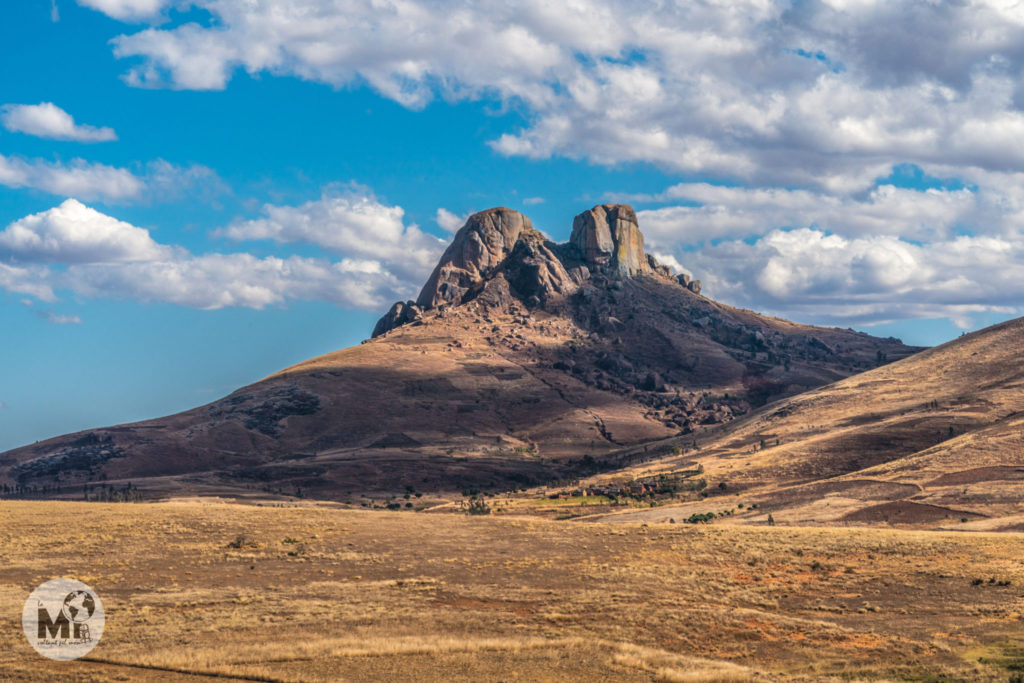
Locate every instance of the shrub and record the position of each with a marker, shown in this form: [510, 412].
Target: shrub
[477, 506]
[242, 541]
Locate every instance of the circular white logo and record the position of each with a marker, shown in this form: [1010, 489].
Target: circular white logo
[63, 619]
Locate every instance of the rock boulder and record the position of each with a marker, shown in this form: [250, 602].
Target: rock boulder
[609, 239]
[478, 249]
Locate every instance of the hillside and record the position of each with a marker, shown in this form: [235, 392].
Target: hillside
[519, 359]
[936, 439]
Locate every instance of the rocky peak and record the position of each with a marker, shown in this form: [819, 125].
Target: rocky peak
[609, 239]
[477, 250]
[497, 258]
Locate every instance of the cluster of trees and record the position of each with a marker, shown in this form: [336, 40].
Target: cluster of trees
[104, 493]
[34, 490]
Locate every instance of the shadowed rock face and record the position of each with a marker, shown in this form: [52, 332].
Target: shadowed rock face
[401, 312]
[609, 238]
[478, 249]
[497, 256]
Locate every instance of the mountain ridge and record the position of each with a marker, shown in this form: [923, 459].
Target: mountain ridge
[519, 359]
[934, 440]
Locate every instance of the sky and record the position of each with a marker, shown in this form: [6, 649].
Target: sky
[197, 193]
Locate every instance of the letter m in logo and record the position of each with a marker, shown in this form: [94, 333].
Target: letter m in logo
[48, 626]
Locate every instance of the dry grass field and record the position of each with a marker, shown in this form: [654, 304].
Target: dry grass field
[195, 590]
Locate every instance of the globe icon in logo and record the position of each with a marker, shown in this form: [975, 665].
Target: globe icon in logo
[63, 619]
[78, 606]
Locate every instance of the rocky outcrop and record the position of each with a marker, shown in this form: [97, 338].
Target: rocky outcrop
[498, 257]
[401, 312]
[478, 249]
[536, 273]
[609, 239]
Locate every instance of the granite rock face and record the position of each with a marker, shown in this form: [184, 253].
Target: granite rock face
[478, 249]
[497, 258]
[608, 238]
[401, 312]
[535, 272]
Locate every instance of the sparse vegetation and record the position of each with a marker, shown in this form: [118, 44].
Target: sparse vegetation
[428, 594]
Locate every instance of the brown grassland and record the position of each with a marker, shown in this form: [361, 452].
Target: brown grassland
[196, 589]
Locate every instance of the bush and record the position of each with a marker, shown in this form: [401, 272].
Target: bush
[476, 506]
[243, 541]
[698, 518]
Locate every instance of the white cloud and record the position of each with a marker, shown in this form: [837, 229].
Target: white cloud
[47, 120]
[79, 178]
[806, 105]
[31, 280]
[73, 247]
[448, 221]
[127, 10]
[819, 94]
[740, 211]
[807, 274]
[533, 201]
[891, 253]
[667, 259]
[353, 223]
[213, 281]
[74, 233]
[58, 318]
[87, 181]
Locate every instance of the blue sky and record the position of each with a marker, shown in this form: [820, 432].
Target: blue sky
[194, 194]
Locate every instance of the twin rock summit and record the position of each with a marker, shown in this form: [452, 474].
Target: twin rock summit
[521, 362]
[498, 254]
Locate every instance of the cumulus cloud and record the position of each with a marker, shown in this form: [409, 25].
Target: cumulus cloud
[73, 247]
[888, 254]
[32, 280]
[816, 93]
[352, 223]
[805, 106]
[74, 233]
[808, 274]
[213, 281]
[448, 221]
[79, 178]
[159, 180]
[47, 120]
[714, 212]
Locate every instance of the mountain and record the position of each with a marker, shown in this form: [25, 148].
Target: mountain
[934, 440]
[521, 361]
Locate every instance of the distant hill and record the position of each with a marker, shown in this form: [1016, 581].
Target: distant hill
[520, 362]
[935, 440]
